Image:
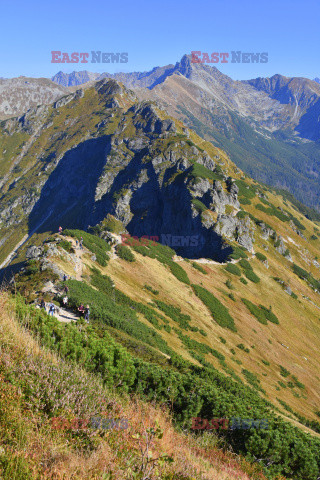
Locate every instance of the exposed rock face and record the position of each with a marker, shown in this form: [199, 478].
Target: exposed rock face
[266, 231]
[34, 252]
[281, 248]
[234, 228]
[288, 290]
[219, 199]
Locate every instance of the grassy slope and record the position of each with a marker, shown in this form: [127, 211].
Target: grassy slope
[31, 448]
[295, 316]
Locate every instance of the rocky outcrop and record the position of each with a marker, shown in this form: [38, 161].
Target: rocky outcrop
[266, 231]
[236, 229]
[281, 247]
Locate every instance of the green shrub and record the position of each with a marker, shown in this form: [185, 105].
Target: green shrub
[269, 315]
[297, 383]
[252, 379]
[175, 314]
[245, 264]
[232, 268]
[252, 276]
[282, 384]
[265, 362]
[261, 313]
[67, 246]
[198, 267]
[242, 347]
[261, 257]
[274, 212]
[223, 340]
[125, 253]
[283, 371]
[150, 289]
[244, 201]
[229, 285]
[304, 275]
[218, 311]
[237, 252]
[179, 272]
[244, 281]
[245, 190]
[241, 214]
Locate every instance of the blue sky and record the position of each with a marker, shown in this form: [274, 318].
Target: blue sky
[156, 34]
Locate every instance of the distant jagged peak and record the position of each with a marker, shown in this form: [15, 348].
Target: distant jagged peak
[74, 78]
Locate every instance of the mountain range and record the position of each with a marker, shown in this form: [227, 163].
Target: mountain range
[268, 126]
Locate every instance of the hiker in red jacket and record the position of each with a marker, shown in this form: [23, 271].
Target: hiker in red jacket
[81, 309]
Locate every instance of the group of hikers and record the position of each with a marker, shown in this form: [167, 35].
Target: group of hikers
[78, 242]
[84, 311]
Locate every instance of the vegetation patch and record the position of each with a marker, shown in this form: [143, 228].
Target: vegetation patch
[218, 311]
[175, 314]
[198, 205]
[261, 313]
[252, 379]
[234, 269]
[199, 268]
[242, 347]
[67, 246]
[125, 253]
[237, 253]
[252, 276]
[261, 257]
[304, 275]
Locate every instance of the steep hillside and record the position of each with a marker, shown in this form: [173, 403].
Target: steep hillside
[50, 413]
[192, 319]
